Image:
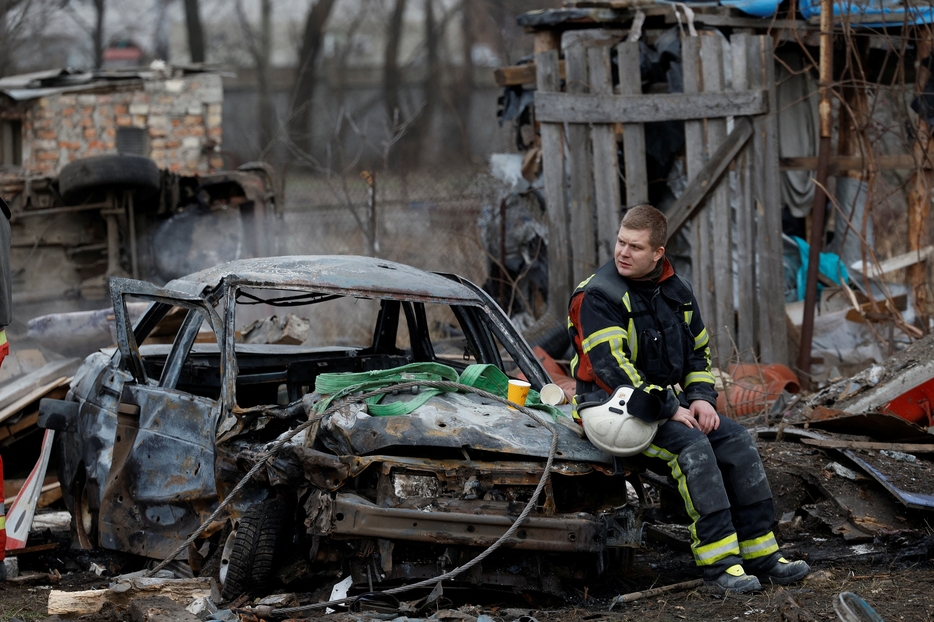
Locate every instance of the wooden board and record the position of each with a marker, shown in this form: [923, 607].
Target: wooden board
[593, 108]
[580, 165]
[516, 75]
[605, 160]
[720, 318]
[746, 311]
[553, 171]
[892, 264]
[630, 83]
[695, 159]
[840, 164]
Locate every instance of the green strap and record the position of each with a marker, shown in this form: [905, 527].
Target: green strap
[487, 378]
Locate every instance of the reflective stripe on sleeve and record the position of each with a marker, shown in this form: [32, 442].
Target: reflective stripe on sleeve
[698, 376]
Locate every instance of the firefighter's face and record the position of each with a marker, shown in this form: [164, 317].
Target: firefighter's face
[635, 256]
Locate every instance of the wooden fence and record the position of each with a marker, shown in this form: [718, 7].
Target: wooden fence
[736, 254]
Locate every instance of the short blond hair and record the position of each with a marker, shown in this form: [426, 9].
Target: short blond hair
[646, 217]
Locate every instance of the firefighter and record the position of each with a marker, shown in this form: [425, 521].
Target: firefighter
[6, 302]
[635, 323]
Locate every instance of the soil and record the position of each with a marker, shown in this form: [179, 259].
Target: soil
[853, 533]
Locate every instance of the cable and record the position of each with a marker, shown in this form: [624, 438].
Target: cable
[286, 612]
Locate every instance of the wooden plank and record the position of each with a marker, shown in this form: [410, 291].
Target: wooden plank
[26, 384]
[695, 160]
[911, 448]
[690, 201]
[773, 328]
[25, 422]
[605, 159]
[721, 285]
[839, 164]
[516, 75]
[580, 165]
[592, 108]
[893, 263]
[630, 83]
[182, 591]
[559, 247]
[31, 397]
[730, 21]
[745, 219]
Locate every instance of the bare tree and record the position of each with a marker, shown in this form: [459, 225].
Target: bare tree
[305, 75]
[260, 48]
[195, 31]
[12, 14]
[391, 74]
[95, 30]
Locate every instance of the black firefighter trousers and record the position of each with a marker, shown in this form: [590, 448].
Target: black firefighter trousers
[725, 490]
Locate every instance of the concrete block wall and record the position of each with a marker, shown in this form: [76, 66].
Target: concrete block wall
[182, 117]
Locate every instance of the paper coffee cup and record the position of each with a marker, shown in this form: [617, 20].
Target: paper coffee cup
[518, 391]
[552, 395]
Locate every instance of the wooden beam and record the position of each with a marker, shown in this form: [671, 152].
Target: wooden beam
[630, 83]
[593, 108]
[720, 320]
[912, 448]
[745, 222]
[894, 263]
[605, 159]
[693, 196]
[516, 75]
[901, 161]
[580, 167]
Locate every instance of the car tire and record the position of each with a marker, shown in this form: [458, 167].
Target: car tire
[79, 178]
[262, 540]
[84, 519]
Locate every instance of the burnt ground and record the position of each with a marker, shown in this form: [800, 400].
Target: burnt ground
[856, 537]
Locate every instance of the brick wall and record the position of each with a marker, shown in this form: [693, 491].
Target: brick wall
[180, 116]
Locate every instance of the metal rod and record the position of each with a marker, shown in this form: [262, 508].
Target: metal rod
[131, 225]
[820, 198]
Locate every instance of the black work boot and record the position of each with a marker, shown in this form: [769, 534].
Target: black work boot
[780, 571]
[734, 580]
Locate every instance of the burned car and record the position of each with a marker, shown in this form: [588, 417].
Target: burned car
[152, 436]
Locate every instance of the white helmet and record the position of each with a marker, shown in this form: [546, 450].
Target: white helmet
[611, 428]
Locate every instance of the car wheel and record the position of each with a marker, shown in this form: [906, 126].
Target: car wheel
[84, 519]
[254, 550]
[79, 178]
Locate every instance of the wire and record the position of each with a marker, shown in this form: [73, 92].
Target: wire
[288, 611]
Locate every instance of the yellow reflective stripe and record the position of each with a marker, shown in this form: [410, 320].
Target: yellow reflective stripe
[654, 451]
[698, 376]
[701, 340]
[688, 316]
[574, 363]
[2, 522]
[714, 552]
[602, 336]
[759, 547]
[585, 281]
[2, 336]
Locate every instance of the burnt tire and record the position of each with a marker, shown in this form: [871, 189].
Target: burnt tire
[262, 542]
[79, 179]
[83, 520]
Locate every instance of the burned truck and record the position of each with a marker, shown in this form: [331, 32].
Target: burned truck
[121, 215]
[400, 487]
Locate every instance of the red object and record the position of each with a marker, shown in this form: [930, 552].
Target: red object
[914, 405]
[755, 388]
[4, 350]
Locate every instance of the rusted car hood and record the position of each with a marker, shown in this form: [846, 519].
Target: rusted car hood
[455, 420]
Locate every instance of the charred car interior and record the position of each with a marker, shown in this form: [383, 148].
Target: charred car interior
[153, 435]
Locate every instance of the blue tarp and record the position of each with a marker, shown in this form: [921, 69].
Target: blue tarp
[830, 266]
[871, 13]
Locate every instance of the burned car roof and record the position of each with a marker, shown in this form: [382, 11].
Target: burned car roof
[331, 273]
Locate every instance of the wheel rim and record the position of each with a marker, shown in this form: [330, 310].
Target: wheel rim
[84, 519]
[225, 557]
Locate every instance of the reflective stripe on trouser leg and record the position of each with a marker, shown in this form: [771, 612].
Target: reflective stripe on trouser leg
[759, 547]
[714, 542]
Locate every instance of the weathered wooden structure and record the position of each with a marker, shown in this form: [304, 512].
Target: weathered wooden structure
[737, 258]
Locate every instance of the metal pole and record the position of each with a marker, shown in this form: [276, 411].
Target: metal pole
[820, 198]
